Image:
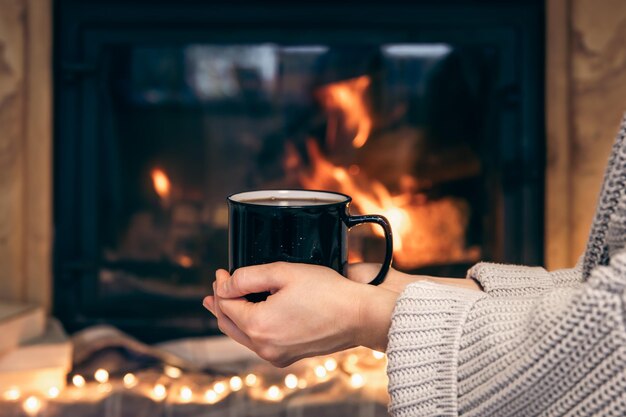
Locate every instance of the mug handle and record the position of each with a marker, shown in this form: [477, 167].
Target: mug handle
[382, 221]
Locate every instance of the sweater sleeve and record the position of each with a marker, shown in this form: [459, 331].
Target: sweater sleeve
[509, 280]
[551, 351]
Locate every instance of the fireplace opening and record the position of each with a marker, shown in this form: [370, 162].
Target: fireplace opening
[433, 128]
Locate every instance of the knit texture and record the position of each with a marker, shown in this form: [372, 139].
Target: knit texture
[533, 343]
[612, 190]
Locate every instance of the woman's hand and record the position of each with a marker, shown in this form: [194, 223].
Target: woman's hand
[312, 310]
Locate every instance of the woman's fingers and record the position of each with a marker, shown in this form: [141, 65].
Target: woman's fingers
[249, 280]
[239, 311]
[227, 326]
[208, 302]
[231, 330]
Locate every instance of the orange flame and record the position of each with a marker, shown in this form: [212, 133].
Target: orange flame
[425, 232]
[347, 99]
[161, 183]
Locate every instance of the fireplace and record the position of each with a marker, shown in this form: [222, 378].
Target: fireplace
[429, 114]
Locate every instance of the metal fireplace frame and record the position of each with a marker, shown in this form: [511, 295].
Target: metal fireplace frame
[514, 29]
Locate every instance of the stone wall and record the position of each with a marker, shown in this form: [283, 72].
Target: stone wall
[25, 150]
[585, 100]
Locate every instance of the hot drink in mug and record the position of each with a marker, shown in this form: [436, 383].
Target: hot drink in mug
[299, 226]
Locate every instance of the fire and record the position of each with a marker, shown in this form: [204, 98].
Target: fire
[425, 232]
[161, 183]
[345, 99]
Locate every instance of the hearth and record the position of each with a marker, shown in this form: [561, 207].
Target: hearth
[429, 114]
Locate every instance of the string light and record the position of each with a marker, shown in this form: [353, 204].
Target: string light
[53, 392]
[101, 375]
[12, 394]
[130, 380]
[236, 383]
[159, 392]
[219, 387]
[210, 396]
[320, 371]
[186, 394]
[251, 380]
[330, 364]
[78, 381]
[378, 355]
[274, 393]
[291, 381]
[31, 405]
[172, 371]
[357, 380]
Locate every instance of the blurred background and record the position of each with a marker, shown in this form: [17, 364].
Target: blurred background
[430, 115]
[479, 128]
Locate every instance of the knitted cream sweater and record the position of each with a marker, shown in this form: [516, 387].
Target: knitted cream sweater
[534, 343]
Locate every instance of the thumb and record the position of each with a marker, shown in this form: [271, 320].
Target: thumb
[249, 280]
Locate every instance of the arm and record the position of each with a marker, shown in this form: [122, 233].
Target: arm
[511, 352]
[312, 310]
[490, 277]
[301, 292]
[397, 281]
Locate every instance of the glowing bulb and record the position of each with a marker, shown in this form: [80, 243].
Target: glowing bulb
[53, 392]
[130, 380]
[210, 396]
[357, 380]
[31, 405]
[274, 393]
[302, 384]
[101, 375]
[219, 387]
[378, 355]
[353, 358]
[185, 394]
[159, 392]
[12, 394]
[251, 380]
[320, 371]
[330, 364]
[172, 371]
[78, 381]
[236, 383]
[291, 381]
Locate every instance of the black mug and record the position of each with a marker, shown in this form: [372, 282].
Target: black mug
[299, 226]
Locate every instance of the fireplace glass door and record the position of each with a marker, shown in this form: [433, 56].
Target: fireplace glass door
[399, 127]
[154, 132]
